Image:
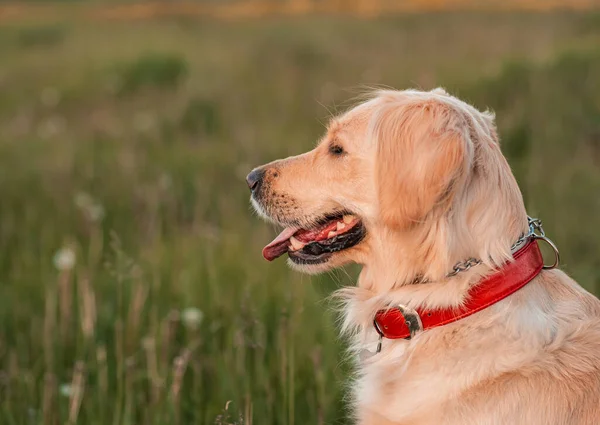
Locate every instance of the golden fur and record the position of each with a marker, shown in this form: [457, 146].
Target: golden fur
[424, 172]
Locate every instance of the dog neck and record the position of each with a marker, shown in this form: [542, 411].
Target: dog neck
[390, 277]
[430, 249]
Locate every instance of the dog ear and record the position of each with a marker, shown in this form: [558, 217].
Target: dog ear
[421, 155]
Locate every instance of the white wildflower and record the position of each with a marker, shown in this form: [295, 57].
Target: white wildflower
[93, 210]
[96, 212]
[65, 390]
[64, 259]
[192, 317]
[83, 200]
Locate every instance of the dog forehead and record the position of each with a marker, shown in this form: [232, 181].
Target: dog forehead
[351, 123]
[360, 114]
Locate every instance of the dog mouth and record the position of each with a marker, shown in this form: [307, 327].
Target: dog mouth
[333, 233]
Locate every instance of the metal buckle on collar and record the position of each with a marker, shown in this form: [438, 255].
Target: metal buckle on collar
[411, 318]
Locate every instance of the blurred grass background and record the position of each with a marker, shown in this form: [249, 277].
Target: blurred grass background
[132, 288]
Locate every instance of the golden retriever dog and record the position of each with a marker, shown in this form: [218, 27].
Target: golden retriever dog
[412, 186]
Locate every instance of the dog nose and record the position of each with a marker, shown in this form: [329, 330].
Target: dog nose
[254, 179]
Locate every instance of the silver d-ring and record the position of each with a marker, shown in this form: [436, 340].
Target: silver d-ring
[554, 248]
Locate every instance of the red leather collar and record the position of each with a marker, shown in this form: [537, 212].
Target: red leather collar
[393, 323]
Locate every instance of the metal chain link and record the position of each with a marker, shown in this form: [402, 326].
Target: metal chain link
[535, 225]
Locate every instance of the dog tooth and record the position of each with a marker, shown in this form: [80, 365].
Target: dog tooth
[330, 234]
[348, 219]
[296, 244]
[340, 225]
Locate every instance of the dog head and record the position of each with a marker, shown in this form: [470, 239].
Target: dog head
[400, 161]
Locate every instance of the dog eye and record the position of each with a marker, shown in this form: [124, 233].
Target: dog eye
[336, 150]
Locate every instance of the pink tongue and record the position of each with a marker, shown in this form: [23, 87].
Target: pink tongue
[279, 245]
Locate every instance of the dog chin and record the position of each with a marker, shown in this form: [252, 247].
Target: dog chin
[335, 261]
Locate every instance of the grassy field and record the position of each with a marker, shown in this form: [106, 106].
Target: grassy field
[132, 289]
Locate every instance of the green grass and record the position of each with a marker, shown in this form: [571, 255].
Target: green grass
[127, 145]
